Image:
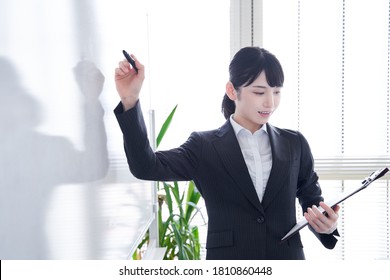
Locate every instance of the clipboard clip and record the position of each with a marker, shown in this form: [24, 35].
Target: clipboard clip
[375, 175]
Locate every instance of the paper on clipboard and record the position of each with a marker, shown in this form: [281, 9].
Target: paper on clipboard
[343, 196]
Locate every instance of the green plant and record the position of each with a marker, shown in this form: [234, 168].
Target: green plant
[176, 232]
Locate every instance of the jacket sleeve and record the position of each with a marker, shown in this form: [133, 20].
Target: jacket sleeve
[309, 191]
[179, 164]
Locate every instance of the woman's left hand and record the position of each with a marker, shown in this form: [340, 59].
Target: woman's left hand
[322, 223]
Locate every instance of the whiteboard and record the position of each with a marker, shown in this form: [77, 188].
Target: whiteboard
[65, 188]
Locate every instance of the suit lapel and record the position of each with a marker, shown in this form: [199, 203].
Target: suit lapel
[230, 153]
[279, 175]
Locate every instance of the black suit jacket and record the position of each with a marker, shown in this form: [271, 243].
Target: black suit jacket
[239, 226]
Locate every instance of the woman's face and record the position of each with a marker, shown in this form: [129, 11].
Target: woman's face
[256, 103]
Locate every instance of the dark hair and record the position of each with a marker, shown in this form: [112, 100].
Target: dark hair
[246, 66]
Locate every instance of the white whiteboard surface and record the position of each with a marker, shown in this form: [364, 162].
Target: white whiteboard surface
[65, 188]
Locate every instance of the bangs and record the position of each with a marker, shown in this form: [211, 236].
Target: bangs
[272, 68]
[274, 74]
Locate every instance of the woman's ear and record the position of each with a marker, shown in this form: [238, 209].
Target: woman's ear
[231, 91]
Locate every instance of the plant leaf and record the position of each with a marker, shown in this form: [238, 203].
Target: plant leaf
[165, 126]
[192, 199]
[167, 189]
[179, 241]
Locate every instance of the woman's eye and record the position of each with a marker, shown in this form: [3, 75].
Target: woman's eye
[276, 92]
[259, 93]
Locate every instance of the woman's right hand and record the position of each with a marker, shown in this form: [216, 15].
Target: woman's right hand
[129, 83]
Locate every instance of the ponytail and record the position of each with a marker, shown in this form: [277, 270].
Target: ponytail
[228, 107]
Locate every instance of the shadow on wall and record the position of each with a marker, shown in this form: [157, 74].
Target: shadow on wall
[32, 164]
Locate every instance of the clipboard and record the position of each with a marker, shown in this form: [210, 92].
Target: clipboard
[340, 198]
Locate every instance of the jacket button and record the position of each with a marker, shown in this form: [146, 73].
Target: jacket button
[260, 220]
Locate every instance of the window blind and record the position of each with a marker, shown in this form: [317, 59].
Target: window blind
[335, 56]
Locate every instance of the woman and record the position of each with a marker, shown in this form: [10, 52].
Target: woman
[248, 172]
